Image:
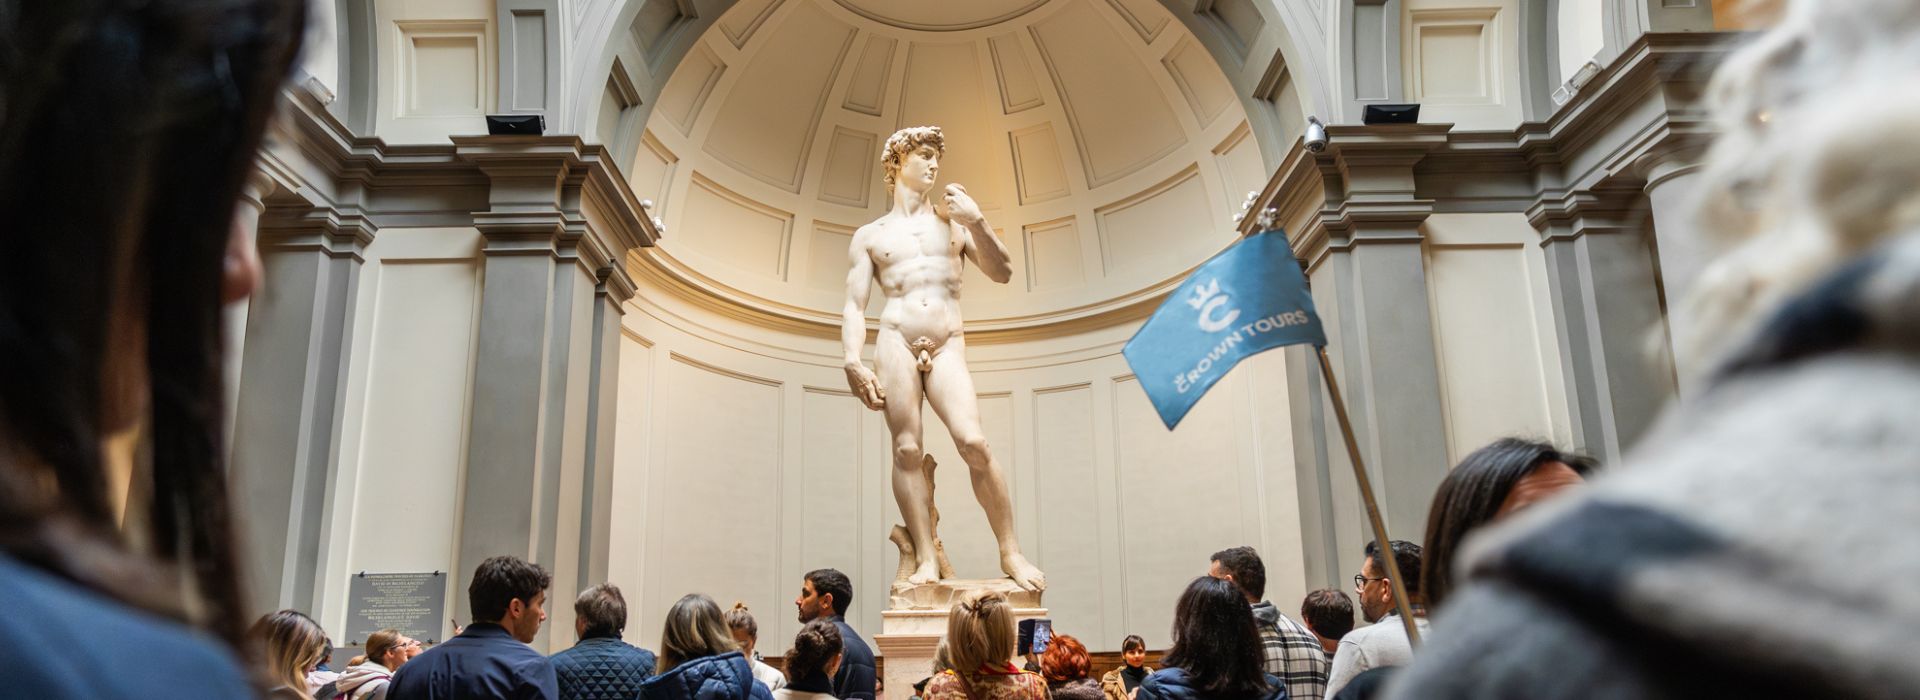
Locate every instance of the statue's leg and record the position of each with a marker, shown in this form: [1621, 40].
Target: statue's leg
[894, 366]
[950, 390]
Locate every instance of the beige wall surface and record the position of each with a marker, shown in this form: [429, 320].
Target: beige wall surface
[1493, 331]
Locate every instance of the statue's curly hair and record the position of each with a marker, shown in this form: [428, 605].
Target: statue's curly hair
[905, 141]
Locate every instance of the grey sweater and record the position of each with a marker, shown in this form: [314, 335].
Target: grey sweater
[1759, 542]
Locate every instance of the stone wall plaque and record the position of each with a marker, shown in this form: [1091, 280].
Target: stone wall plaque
[414, 603]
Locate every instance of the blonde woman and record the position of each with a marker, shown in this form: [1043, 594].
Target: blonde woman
[369, 675]
[1758, 541]
[290, 645]
[746, 633]
[699, 659]
[980, 640]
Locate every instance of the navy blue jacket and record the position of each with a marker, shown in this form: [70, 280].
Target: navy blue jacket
[719, 677]
[854, 680]
[483, 662]
[1172, 683]
[602, 668]
[63, 641]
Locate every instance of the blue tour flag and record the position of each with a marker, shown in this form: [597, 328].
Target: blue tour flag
[1248, 299]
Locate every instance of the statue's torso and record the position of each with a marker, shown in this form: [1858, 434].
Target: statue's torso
[917, 261]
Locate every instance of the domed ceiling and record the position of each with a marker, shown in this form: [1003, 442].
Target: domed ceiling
[1101, 140]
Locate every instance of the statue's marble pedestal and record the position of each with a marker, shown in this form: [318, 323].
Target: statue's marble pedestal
[916, 621]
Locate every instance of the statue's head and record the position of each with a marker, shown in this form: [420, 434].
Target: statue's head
[908, 143]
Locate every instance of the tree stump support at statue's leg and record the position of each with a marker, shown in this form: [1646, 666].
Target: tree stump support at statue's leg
[900, 537]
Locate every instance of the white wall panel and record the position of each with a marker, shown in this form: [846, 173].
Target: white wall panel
[1069, 529]
[1179, 499]
[830, 476]
[1492, 353]
[715, 498]
[1462, 61]
[415, 437]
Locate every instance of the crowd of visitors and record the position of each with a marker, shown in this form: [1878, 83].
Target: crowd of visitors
[1706, 565]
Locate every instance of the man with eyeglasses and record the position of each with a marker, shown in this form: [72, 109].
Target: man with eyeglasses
[1383, 643]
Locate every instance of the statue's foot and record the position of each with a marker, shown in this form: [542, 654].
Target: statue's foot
[928, 572]
[1023, 572]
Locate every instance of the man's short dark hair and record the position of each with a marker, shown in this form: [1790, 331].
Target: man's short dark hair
[1248, 572]
[1407, 556]
[500, 580]
[836, 583]
[1329, 612]
[603, 609]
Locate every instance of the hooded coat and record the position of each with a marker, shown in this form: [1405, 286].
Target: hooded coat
[719, 677]
[367, 681]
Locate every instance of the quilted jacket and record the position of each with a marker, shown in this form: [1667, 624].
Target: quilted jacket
[720, 677]
[602, 668]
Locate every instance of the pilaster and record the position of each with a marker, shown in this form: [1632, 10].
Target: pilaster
[1681, 249]
[1372, 287]
[546, 367]
[287, 408]
[1607, 315]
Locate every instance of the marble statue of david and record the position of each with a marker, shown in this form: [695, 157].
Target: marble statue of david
[916, 254]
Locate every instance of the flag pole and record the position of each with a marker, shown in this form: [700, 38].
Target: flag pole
[1385, 558]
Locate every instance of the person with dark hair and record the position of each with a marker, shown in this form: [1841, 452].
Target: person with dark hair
[1383, 643]
[1329, 613]
[127, 128]
[490, 658]
[1121, 683]
[1492, 482]
[1065, 664]
[601, 666]
[1289, 650]
[826, 593]
[746, 633]
[817, 651]
[699, 659]
[1216, 649]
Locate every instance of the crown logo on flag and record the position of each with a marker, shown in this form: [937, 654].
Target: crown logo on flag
[1203, 292]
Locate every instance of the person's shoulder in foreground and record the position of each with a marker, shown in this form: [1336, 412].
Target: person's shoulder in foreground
[1173, 683]
[58, 640]
[1754, 545]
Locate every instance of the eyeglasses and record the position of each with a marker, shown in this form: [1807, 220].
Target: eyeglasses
[1360, 580]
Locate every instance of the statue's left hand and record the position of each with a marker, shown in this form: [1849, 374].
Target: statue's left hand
[960, 206]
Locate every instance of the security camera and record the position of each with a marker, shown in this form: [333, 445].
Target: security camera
[1316, 138]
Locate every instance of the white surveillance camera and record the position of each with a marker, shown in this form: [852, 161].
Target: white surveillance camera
[1316, 138]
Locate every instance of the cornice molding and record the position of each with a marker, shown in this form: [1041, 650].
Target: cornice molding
[1637, 122]
[586, 213]
[661, 268]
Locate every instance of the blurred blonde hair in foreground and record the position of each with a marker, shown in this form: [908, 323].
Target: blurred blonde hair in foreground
[1817, 159]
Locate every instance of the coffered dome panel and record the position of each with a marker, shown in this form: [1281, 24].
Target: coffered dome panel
[1103, 144]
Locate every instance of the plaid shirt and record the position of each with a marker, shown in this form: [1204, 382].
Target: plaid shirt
[1292, 653]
